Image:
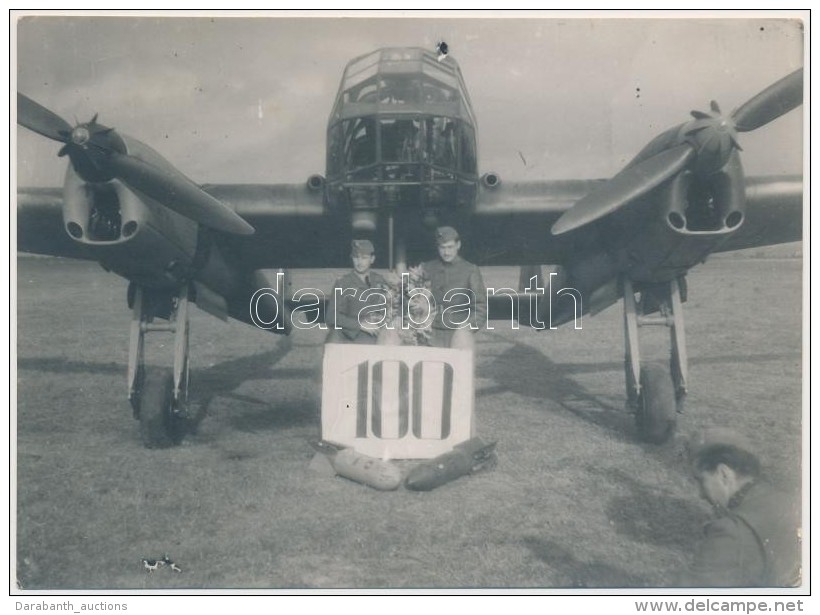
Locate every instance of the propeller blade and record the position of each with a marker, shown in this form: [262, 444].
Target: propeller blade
[776, 100]
[626, 186]
[178, 193]
[36, 117]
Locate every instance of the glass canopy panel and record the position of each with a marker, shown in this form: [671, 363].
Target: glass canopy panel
[335, 151]
[467, 160]
[401, 54]
[433, 92]
[442, 141]
[364, 92]
[357, 66]
[359, 138]
[401, 140]
[439, 74]
[399, 90]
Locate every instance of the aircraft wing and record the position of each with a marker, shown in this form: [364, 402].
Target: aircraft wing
[513, 221]
[40, 226]
[774, 213]
[287, 219]
[511, 226]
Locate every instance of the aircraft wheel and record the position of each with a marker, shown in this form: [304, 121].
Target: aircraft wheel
[159, 426]
[657, 406]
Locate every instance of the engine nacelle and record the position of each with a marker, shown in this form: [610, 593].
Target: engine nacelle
[712, 204]
[693, 215]
[141, 240]
[127, 233]
[159, 249]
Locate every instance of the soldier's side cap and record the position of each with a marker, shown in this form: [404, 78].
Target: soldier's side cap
[716, 437]
[445, 234]
[362, 246]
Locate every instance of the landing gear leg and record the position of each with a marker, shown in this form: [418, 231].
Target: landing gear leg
[159, 396]
[654, 392]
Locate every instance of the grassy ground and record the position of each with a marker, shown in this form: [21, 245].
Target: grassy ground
[574, 502]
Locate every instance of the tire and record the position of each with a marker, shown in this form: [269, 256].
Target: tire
[657, 407]
[159, 426]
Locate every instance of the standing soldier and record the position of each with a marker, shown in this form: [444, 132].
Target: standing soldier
[459, 293]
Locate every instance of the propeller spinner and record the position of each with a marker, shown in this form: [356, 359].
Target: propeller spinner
[704, 144]
[99, 154]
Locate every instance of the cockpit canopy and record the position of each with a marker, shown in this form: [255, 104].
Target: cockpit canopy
[402, 118]
[403, 80]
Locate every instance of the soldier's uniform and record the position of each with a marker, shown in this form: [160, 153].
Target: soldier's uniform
[754, 544]
[346, 303]
[755, 541]
[458, 274]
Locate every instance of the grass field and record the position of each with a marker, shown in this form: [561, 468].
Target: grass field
[574, 501]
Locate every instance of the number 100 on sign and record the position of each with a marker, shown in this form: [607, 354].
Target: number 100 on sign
[397, 402]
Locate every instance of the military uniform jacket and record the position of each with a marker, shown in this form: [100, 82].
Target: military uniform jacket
[343, 309]
[458, 274]
[755, 544]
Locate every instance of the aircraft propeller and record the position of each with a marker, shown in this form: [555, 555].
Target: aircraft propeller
[705, 144]
[99, 154]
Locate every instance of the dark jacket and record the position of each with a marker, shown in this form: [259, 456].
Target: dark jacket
[458, 274]
[754, 544]
[343, 310]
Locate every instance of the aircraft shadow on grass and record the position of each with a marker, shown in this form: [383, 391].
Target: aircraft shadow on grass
[526, 371]
[257, 412]
[217, 381]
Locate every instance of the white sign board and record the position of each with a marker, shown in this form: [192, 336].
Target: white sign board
[397, 402]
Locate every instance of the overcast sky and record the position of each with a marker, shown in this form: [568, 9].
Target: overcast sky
[574, 98]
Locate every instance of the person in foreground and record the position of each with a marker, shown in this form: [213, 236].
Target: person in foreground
[754, 540]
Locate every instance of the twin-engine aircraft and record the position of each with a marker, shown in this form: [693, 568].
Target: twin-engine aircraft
[401, 160]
